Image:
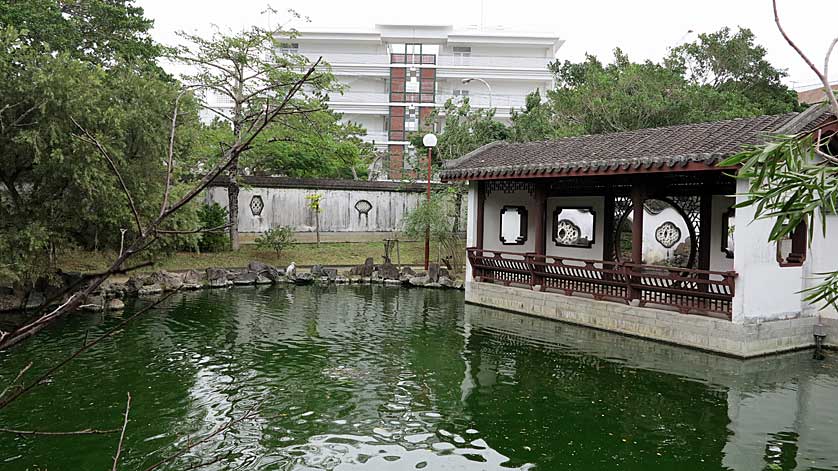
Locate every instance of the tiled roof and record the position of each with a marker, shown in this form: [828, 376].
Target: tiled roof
[670, 147]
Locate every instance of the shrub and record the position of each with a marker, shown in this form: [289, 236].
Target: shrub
[276, 239]
[213, 216]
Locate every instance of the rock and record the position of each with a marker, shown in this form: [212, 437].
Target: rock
[366, 280]
[317, 271]
[303, 279]
[354, 278]
[217, 277]
[263, 280]
[341, 280]
[324, 280]
[150, 290]
[446, 282]
[331, 273]
[433, 285]
[258, 267]
[35, 299]
[458, 284]
[245, 278]
[115, 305]
[418, 280]
[364, 270]
[444, 272]
[167, 281]
[433, 272]
[407, 271]
[192, 280]
[134, 284]
[388, 271]
[388, 282]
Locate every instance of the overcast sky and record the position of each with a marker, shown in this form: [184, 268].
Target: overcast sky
[645, 29]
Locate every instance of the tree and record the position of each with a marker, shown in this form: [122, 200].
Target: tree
[535, 122]
[250, 70]
[276, 239]
[436, 216]
[731, 62]
[794, 179]
[464, 130]
[314, 205]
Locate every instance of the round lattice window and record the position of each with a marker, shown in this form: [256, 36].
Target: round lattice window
[668, 234]
[567, 232]
[256, 205]
[363, 207]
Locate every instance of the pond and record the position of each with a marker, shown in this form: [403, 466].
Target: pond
[380, 378]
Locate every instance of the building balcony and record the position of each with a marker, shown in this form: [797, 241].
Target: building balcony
[503, 103]
[535, 63]
[361, 97]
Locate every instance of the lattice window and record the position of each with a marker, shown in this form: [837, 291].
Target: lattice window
[667, 234]
[363, 207]
[256, 205]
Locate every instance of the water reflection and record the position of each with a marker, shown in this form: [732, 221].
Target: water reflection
[384, 378]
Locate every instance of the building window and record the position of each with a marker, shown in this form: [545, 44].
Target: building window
[289, 48]
[256, 205]
[728, 226]
[363, 207]
[462, 51]
[460, 92]
[574, 227]
[791, 250]
[513, 225]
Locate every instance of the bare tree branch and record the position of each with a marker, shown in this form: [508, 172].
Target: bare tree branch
[87, 431]
[115, 170]
[195, 231]
[5, 401]
[122, 434]
[821, 75]
[171, 154]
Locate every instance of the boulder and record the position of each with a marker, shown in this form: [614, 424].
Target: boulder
[446, 282]
[364, 270]
[150, 290]
[217, 277]
[458, 284]
[263, 280]
[192, 280]
[433, 272]
[388, 271]
[444, 272]
[245, 278]
[168, 281]
[35, 299]
[133, 285]
[115, 305]
[341, 280]
[317, 271]
[272, 273]
[330, 273]
[407, 271]
[303, 279]
[433, 285]
[418, 280]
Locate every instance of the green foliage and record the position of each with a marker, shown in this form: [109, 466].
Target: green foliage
[438, 215]
[212, 216]
[276, 239]
[535, 122]
[793, 180]
[314, 201]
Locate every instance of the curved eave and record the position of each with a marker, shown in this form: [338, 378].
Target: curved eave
[535, 172]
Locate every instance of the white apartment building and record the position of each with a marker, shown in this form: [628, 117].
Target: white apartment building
[395, 75]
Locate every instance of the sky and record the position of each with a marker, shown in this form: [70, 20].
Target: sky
[645, 29]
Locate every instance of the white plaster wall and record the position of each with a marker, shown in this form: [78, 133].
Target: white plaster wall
[289, 206]
[598, 205]
[471, 223]
[718, 259]
[764, 290]
[822, 258]
[653, 252]
[495, 201]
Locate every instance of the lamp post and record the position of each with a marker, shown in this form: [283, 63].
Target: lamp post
[429, 141]
[468, 80]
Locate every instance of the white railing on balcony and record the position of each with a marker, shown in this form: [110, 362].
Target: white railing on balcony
[494, 61]
[375, 136]
[360, 97]
[342, 58]
[483, 101]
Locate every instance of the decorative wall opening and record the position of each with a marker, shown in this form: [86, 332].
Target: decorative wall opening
[669, 234]
[574, 227]
[728, 226]
[256, 205]
[791, 250]
[513, 225]
[363, 207]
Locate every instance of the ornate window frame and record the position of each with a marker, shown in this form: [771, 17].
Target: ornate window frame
[555, 227]
[522, 238]
[799, 246]
[731, 212]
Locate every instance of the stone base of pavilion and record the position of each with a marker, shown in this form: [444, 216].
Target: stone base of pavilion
[694, 331]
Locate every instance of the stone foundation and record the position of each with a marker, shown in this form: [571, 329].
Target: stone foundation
[699, 332]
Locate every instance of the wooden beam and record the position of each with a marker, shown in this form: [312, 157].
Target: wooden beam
[705, 230]
[540, 196]
[481, 203]
[638, 197]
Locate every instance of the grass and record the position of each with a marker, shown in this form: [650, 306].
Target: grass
[329, 254]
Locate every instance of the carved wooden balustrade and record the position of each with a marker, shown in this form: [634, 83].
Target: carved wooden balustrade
[688, 290]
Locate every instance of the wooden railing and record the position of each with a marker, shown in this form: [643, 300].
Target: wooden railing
[687, 290]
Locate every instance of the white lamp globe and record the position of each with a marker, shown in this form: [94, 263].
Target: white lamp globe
[429, 140]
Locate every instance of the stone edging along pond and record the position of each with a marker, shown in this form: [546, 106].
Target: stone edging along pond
[111, 294]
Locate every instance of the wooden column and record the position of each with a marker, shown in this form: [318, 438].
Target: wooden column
[608, 226]
[638, 197]
[705, 231]
[540, 196]
[481, 203]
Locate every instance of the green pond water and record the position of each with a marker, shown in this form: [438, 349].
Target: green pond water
[379, 378]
